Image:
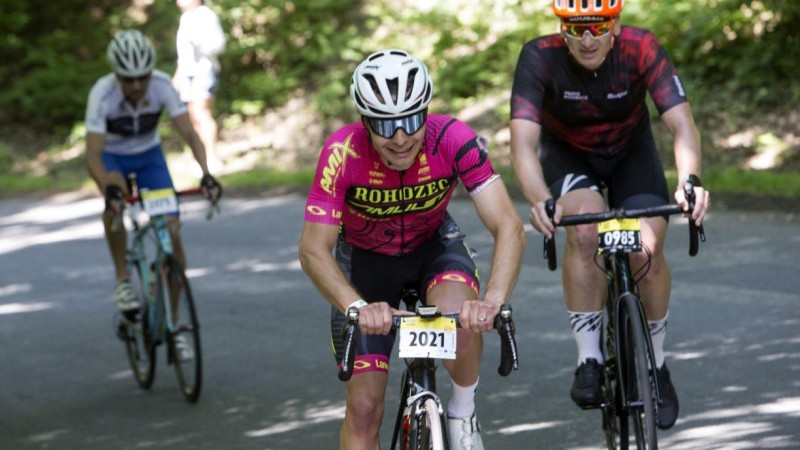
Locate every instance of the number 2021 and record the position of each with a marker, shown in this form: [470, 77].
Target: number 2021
[427, 339]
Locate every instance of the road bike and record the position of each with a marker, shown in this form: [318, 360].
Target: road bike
[168, 313]
[425, 337]
[630, 389]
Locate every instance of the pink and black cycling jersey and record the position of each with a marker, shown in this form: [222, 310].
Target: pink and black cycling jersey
[388, 211]
[598, 111]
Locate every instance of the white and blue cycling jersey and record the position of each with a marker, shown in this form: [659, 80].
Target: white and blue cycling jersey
[130, 130]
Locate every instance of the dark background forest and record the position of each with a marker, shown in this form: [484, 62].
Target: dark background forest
[287, 67]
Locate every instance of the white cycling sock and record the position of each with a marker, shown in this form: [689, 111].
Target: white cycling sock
[587, 327]
[462, 401]
[658, 332]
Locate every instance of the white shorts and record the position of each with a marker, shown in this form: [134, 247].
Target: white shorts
[198, 87]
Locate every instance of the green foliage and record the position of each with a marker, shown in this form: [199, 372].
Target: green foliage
[6, 159]
[737, 57]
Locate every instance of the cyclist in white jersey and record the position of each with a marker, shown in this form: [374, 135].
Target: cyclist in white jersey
[122, 116]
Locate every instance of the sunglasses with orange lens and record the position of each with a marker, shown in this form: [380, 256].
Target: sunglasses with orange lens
[595, 29]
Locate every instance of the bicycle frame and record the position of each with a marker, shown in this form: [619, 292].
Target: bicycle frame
[621, 285]
[418, 390]
[627, 396]
[160, 316]
[418, 385]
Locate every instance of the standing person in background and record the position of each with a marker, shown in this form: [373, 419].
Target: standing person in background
[579, 124]
[200, 39]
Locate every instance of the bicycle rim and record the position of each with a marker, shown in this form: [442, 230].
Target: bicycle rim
[134, 332]
[640, 384]
[429, 428]
[185, 329]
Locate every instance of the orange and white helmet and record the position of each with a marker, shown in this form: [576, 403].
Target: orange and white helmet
[571, 9]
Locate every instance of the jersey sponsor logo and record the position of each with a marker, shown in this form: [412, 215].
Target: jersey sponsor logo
[456, 277]
[340, 151]
[371, 363]
[575, 95]
[316, 210]
[616, 95]
[388, 202]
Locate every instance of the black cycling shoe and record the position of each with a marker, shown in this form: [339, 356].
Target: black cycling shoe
[587, 390]
[668, 407]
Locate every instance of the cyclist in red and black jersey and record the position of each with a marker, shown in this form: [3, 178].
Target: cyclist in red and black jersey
[579, 100]
[379, 199]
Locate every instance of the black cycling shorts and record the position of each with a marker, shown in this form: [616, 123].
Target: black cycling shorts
[633, 177]
[377, 277]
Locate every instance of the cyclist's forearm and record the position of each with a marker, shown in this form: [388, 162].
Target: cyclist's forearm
[318, 263]
[95, 143]
[506, 264]
[524, 139]
[331, 283]
[187, 131]
[686, 143]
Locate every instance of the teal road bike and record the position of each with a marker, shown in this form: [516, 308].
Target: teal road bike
[168, 314]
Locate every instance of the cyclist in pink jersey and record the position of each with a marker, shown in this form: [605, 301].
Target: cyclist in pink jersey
[579, 123]
[379, 203]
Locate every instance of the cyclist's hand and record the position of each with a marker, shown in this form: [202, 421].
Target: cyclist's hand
[478, 316]
[375, 318]
[115, 199]
[702, 201]
[541, 221]
[211, 188]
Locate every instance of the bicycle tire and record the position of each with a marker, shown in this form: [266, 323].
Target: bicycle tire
[427, 431]
[640, 390]
[610, 408]
[183, 314]
[135, 332]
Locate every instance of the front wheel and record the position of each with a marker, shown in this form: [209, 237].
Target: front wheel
[427, 427]
[640, 389]
[134, 331]
[183, 330]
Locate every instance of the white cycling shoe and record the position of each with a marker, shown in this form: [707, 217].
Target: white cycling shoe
[185, 352]
[126, 297]
[464, 434]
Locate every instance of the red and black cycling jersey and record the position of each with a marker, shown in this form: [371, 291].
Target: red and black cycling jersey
[594, 111]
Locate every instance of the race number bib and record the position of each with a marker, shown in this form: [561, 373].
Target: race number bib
[428, 338]
[160, 201]
[619, 235]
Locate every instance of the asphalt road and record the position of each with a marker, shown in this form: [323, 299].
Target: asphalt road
[270, 382]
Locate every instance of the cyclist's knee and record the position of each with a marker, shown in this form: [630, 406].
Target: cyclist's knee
[365, 413]
[582, 239]
[653, 264]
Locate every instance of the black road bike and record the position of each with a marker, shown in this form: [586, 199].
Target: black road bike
[630, 389]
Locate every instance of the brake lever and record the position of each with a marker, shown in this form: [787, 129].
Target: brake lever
[550, 243]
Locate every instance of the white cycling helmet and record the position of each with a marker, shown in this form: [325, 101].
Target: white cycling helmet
[379, 78]
[130, 54]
